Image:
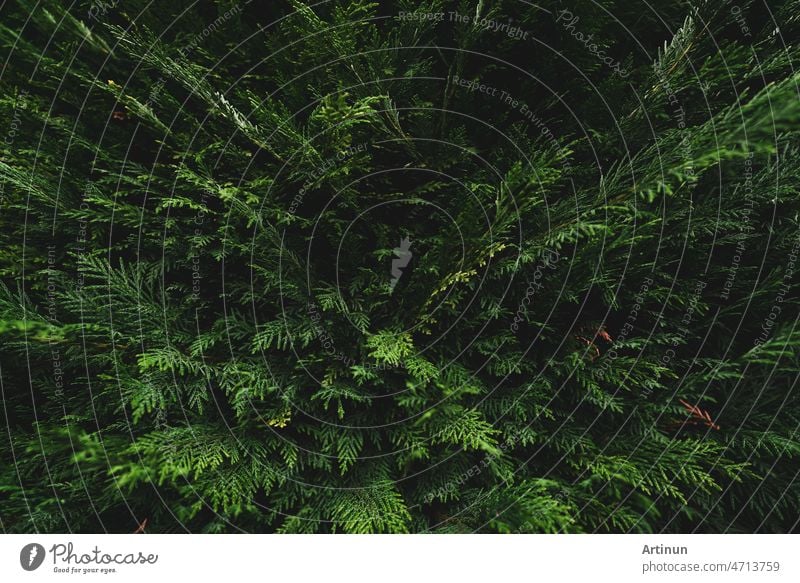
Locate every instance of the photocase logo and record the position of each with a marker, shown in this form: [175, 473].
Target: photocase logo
[31, 556]
[403, 256]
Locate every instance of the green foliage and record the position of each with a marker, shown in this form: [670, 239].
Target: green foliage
[209, 317]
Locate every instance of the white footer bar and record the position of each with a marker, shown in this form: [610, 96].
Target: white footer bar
[400, 558]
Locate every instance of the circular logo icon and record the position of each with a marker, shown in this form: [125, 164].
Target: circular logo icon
[31, 556]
